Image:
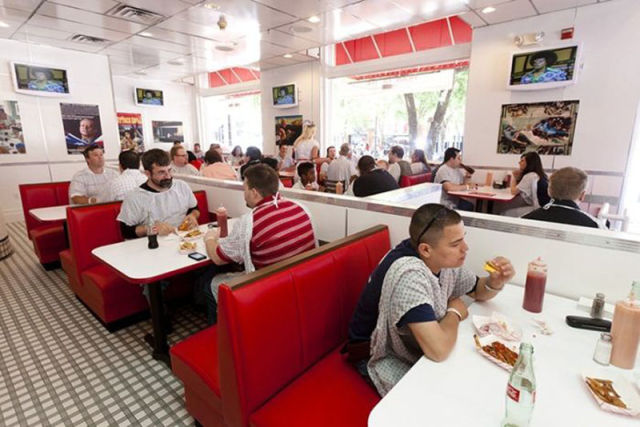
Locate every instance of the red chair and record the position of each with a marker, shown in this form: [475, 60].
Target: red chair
[291, 365]
[48, 237]
[409, 180]
[196, 163]
[203, 207]
[111, 299]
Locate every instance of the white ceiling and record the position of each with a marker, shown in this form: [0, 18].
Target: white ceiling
[185, 38]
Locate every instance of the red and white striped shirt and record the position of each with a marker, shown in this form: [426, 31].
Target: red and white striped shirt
[281, 229]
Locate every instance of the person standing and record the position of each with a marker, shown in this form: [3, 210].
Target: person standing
[306, 148]
[88, 185]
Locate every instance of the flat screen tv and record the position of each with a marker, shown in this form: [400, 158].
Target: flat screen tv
[148, 97]
[546, 68]
[39, 80]
[285, 96]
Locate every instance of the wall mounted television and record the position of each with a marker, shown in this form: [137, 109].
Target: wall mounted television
[285, 96]
[40, 80]
[148, 97]
[544, 68]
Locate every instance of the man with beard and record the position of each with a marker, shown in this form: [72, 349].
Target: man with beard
[160, 200]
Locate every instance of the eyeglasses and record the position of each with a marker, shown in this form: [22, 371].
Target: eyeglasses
[440, 214]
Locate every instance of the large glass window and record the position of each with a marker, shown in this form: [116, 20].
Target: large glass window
[231, 120]
[424, 111]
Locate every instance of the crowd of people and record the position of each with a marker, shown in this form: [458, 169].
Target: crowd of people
[417, 295]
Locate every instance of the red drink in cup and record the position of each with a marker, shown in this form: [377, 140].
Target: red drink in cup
[221, 216]
[535, 286]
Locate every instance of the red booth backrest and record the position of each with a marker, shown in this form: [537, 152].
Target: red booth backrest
[203, 206]
[89, 227]
[273, 329]
[409, 180]
[42, 195]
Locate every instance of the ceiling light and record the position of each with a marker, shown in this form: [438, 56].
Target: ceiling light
[314, 19]
[4, 24]
[489, 9]
[212, 6]
[287, 55]
[145, 34]
[225, 47]
[176, 62]
[140, 73]
[301, 29]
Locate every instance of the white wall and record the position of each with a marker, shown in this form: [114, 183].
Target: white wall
[608, 88]
[46, 157]
[307, 78]
[179, 105]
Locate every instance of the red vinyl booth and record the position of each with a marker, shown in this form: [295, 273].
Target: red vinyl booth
[108, 296]
[277, 358]
[409, 180]
[48, 237]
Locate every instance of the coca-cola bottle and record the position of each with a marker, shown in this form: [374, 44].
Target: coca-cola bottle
[521, 390]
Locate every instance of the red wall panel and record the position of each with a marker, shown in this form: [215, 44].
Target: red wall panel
[393, 43]
[431, 35]
[462, 32]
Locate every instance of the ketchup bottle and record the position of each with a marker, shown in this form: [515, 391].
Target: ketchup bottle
[535, 286]
[221, 215]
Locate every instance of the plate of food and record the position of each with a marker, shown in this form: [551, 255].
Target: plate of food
[187, 247]
[613, 392]
[192, 234]
[503, 355]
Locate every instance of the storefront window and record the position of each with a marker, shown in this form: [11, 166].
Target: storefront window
[231, 120]
[424, 111]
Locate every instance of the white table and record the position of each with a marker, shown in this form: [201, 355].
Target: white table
[136, 263]
[468, 390]
[485, 193]
[51, 213]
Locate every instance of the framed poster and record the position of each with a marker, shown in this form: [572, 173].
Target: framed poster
[11, 137]
[81, 125]
[543, 127]
[288, 129]
[164, 132]
[130, 130]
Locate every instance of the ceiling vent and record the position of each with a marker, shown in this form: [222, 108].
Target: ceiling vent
[83, 38]
[135, 14]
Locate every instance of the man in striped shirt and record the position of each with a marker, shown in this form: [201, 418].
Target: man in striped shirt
[274, 230]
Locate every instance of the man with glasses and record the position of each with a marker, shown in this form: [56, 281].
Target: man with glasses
[180, 161]
[160, 200]
[412, 304]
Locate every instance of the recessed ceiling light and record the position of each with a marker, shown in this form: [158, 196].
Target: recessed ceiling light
[176, 62]
[301, 29]
[489, 9]
[287, 55]
[212, 6]
[4, 24]
[225, 48]
[146, 34]
[140, 73]
[314, 19]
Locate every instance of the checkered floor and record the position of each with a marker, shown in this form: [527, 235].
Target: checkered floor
[59, 366]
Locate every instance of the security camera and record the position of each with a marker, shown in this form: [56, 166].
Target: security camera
[222, 23]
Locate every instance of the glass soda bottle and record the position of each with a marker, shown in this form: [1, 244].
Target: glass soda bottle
[521, 390]
[152, 233]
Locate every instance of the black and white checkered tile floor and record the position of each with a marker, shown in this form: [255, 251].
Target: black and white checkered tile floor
[59, 366]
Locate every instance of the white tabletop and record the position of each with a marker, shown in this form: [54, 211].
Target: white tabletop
[486, 193]
[52, 213]
[468, 390]
[139, 264]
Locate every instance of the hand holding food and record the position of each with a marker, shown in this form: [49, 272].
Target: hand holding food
[164, 229]
[188, 223]
[500, 272]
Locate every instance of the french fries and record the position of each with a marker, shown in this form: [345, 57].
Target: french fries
[605, 391]
[193, 233]
[490, 267]
[498, 351]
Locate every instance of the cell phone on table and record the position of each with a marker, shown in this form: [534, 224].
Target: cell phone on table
[197, 256]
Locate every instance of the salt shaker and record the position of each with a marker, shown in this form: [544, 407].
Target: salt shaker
[602, 354]
[597, 307]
